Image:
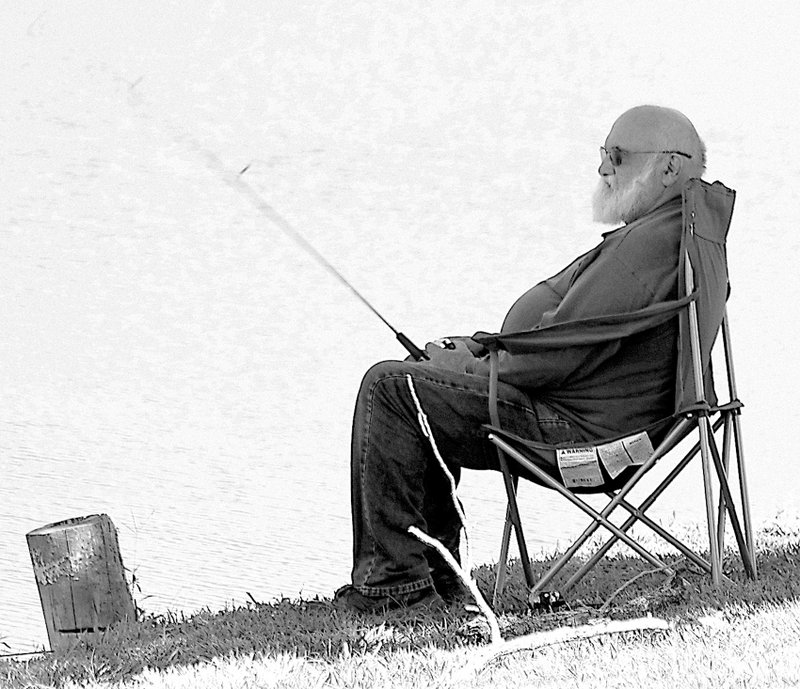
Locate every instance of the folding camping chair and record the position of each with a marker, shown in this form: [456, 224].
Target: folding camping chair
[701, 310]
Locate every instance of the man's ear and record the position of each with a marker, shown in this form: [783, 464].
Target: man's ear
[672, 172]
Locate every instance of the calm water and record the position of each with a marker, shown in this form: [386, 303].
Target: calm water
[170, 358]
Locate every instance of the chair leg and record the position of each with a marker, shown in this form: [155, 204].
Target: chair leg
[727, 499]
[597, 517]
[644, 505]
[667, 445]
[705, 458]
[639, 515]
[737, 439]
[726, 453]
[748, 524]
[512, 514]
[558, 565]
[502, 561]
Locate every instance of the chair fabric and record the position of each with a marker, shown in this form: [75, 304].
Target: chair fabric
[703, 289]
[707, 212]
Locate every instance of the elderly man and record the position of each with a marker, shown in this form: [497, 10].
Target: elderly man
[582, 393]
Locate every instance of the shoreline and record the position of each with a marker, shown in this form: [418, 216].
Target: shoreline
[296, 638]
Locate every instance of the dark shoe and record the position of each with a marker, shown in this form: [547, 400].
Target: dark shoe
[350, 599]
[452, 590]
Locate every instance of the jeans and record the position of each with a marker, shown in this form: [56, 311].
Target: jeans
[397, 481]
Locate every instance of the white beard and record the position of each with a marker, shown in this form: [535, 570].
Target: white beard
[611, 206]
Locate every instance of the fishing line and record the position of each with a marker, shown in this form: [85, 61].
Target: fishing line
[236, 182]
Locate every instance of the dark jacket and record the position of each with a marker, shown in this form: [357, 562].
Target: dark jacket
[607, 388]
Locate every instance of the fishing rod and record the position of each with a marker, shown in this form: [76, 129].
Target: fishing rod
[239, 184]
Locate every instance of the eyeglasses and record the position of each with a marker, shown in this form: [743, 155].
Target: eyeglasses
[616, 154]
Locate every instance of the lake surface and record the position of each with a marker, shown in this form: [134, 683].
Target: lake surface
[170, 358]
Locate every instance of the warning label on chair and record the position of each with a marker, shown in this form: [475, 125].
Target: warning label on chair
[621, 454]
[579, 467]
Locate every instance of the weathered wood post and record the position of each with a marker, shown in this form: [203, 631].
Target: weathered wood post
[79, 573]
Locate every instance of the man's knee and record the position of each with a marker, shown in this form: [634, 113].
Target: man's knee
[384, 370]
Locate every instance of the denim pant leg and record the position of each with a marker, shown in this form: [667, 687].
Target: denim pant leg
[396, 479]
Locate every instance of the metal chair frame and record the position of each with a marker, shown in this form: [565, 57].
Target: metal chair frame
[701, 418]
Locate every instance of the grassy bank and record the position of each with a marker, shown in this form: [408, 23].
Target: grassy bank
[748, 634]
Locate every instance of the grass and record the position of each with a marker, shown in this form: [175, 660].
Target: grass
[748, 634]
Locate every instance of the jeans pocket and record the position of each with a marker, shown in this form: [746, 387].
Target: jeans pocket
[554, 429]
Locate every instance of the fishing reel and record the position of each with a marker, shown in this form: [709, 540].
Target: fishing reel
[444, 343]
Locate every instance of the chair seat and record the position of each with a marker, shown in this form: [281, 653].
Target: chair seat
[546, 456]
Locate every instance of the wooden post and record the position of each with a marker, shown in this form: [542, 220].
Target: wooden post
[79, 573]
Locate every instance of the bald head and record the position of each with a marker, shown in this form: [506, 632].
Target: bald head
[655, 128]
[648, 156]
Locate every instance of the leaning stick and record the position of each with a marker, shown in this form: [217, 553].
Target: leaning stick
[531, 642]
[422, 417]
[498, 648]
[494, 628]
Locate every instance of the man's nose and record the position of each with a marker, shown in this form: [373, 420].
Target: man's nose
[606, 168]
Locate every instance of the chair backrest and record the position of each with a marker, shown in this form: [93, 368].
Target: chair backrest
[707, 211]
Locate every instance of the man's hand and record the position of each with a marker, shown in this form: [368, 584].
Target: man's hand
[449, 353]
[444, 343]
